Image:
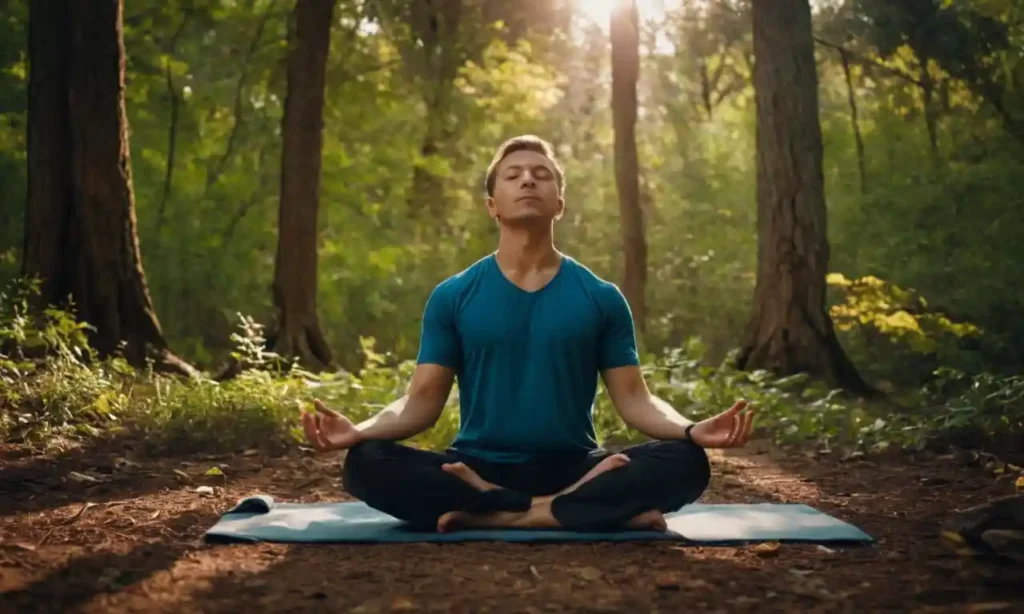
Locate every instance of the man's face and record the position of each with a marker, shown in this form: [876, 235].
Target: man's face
[526, 190]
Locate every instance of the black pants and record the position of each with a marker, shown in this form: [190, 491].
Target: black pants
[409, 484]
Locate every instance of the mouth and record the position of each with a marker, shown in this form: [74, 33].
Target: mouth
[533, 198]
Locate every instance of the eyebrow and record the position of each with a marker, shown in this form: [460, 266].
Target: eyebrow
[519, 167]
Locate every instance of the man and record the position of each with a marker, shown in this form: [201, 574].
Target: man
[527, 331]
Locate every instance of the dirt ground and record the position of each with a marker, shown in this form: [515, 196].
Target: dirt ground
[132, 541]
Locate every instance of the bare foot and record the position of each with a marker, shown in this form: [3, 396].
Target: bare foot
[462, 470]
[538, 516]
[612, 462]
[652, 520]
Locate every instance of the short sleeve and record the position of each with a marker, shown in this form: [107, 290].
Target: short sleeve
[439, 340]
[618, 338]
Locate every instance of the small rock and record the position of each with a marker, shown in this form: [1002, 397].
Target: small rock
[668, 580]
[767, 549]
[589, 573]
[204, 491]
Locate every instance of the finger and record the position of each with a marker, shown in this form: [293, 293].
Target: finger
[734, 429]
[747, 428]
[325, 445]
[323, 409]
[735, 409]
[310, 429]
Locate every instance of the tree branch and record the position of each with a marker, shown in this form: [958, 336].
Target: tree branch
[172, 135]
[868, 61]
[214, 175]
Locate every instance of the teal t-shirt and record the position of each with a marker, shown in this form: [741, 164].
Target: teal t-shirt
[527, 363]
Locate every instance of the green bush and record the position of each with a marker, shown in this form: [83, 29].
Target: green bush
[54, 389]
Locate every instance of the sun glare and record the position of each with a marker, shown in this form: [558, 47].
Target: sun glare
[599, 11]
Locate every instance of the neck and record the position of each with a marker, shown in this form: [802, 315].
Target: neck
[527, 249]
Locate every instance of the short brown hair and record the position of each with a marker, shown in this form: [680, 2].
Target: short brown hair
[526, 142]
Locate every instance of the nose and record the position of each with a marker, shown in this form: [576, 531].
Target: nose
[528, 180]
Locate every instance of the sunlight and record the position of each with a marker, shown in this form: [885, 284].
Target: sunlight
[599, 11]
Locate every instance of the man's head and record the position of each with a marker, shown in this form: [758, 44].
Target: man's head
[525, 184]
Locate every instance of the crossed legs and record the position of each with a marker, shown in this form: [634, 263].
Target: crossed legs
[597, 492]
[539, 514]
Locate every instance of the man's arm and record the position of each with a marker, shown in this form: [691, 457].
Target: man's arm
[639, 408]
[416, 411]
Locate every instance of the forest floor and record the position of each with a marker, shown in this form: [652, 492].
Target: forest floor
[133, 542]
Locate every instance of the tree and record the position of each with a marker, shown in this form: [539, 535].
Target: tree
[295, 274]
[790, 330]
[80, 228]
[625, 38]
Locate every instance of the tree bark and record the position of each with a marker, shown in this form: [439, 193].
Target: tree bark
[81, 238]
[790, 330]
[295, 278]
[625, 39]
[52, 240]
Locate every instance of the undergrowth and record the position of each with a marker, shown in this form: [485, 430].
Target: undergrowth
[55, 390]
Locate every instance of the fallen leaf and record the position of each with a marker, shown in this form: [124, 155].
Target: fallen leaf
[402, 604]
[154, 515]
[82, 478]
[213, 471]
[536, 574]
[22, 546]
[825, 549]
[183, 476]
[251, 452]
[204, 491]
[766, 549]
[989, 606]
[1019, 484]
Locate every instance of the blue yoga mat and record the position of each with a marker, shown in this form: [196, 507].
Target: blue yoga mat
[260, 518]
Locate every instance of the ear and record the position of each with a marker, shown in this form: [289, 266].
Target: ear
[492, 209]
[561, 208]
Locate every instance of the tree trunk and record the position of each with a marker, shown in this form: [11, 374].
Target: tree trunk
[624, 30]
[81, 235]
[931, 115]
[295, 277]
[52, 240]
[852, 98]
[790, 330]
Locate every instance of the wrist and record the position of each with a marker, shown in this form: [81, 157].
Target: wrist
[688, 431]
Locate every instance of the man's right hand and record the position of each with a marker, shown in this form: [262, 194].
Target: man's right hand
[327, 430]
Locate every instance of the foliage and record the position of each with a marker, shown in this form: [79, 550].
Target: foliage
[924, 250]
[61, 392]
[66, 394]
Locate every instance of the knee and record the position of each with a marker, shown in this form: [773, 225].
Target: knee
[361, 461]
[687, 468]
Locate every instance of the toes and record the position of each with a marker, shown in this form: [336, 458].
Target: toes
[448, 521]
[618, 460]
[459, 469]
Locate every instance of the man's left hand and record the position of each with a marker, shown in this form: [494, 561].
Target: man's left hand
[729, 429]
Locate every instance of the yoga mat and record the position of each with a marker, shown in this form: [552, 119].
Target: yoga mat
[260, 518]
